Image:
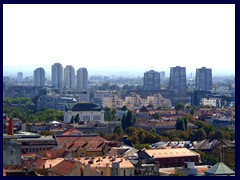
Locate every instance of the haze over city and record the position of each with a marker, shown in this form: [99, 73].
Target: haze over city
[110, 39]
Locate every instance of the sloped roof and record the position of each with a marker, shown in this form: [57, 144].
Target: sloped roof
[85, 107]
[220, 169]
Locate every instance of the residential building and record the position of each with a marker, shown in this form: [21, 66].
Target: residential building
[57, 75]
[55, 102]
[203, 81]
[178, 79]
[82, 79]
[69, 77]
[84, 112]
[19, 77]
[215, 102]
[151, 81]
[39, 77]
[84, 96]
[110, 165]
[157, 100]
[197, 96]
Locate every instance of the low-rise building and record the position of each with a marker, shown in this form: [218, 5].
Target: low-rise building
[54, 102]
[110, 165]
[215, 102]
[170, 157]
[83, 112]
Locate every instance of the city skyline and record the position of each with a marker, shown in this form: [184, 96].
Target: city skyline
[119, 38]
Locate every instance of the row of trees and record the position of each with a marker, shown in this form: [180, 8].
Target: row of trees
[25, 110]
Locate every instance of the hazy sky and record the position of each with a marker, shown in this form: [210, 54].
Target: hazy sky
[119, 37]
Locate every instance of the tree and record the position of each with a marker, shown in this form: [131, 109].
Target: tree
[181, 124]
[72, 120]
[200, 135]
[180, 106]
[128, 120]
[118, 130]
[77, 118]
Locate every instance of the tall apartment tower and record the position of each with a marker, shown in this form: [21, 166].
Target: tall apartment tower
[57, 75]
[19, 77]
[82, 79]
[151, 81]
[203, 80]
[69, 77]
[178, 80]
[39, 77]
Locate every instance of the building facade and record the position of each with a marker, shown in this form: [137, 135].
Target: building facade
[39, 77]
[69, 77]
[203, 79]
[57, 75]
[84, 112]
[151, 81]
[215, 102]
[178, 80]
[82, 79]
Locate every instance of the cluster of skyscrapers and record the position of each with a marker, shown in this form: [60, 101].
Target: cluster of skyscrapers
[178, 80]
[63, 78]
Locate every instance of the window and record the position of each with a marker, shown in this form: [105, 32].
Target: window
[101, 172]
[182, 160]
[176, 160]
[124, 172]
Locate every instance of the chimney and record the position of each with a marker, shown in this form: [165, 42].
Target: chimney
[10, 127]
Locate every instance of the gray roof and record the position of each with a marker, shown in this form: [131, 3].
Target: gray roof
[220, 169]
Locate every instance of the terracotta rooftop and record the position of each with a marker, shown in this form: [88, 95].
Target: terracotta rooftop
[106, 162]
[64, 167]
[68, 138]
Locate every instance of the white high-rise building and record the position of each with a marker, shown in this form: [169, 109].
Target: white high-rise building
[82, 79]
[69, 77]
[57, 75]
[39, 77]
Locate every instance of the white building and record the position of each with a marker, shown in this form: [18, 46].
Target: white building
[39, 77]
[216, 102]
[85, 111]
[82, 79]
[69, 77]
[57, 75]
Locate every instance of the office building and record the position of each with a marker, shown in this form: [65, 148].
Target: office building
[39, 77]
[57, 75]
[178, 78]
[82, 79]
[203, 79]
[69, 77]
[151, 81]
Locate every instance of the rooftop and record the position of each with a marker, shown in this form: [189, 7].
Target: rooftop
[86, 107]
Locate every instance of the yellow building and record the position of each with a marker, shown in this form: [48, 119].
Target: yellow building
[109, 165]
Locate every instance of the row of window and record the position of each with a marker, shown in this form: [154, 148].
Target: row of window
[177, 160]
[35, 149]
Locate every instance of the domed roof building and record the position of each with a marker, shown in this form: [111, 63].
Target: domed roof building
[83, 112]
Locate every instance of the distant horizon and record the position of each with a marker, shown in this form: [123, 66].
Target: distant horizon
[28, 71]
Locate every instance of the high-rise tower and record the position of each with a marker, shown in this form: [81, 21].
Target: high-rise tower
[151, 81]
[178, 80]
[82, 79]
[39, 77]
[69, 77]
[203, 81]
[57, 75]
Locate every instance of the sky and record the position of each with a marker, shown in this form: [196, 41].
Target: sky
[119, 38]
